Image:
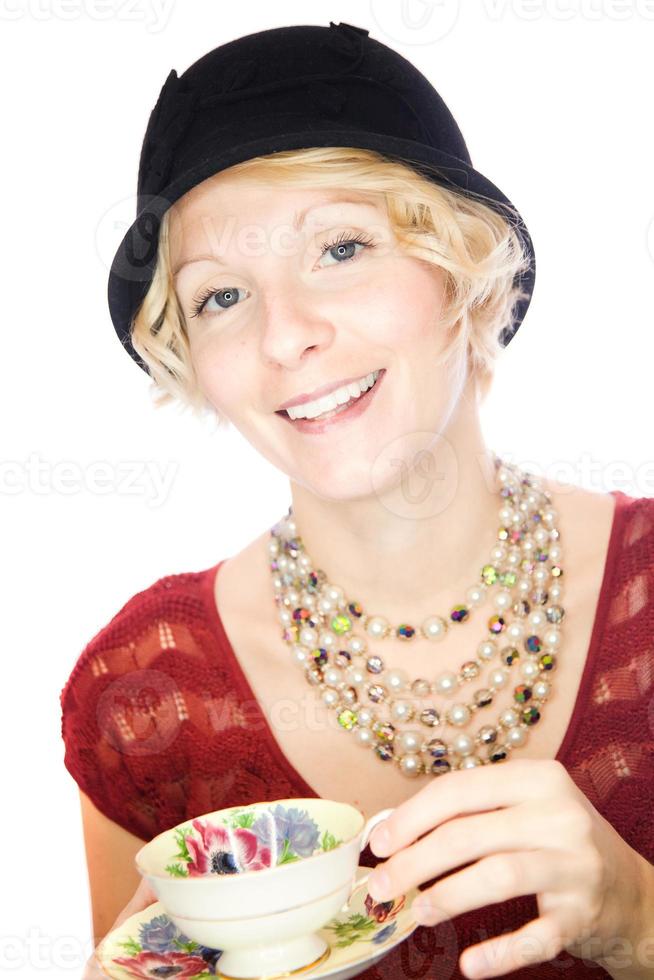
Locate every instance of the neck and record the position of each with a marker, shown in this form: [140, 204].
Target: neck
[423, 539]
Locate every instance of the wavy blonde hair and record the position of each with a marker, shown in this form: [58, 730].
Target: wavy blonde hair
[470, 240]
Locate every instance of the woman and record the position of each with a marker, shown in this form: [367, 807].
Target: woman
[316, 261]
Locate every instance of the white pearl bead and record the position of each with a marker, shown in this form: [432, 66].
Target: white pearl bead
[555, 553]
[285, 616]
[304, 563]
[283, 562]
[327, 640]
[445, 683]
[509, 717]
[277, 583]
[528, 546]
[333, 676]
[514, 557]
[273, 547]
[463, 744]
[309, 637]
[541, 536]
[363, 736]
[410, 765]
[330, 697]
[356, 645]
[514, 633]
[293, 597]
[552, 638]
[502, 600]
[459, 714]
[536, 619]
[365, 717]
[550, 515]
[486, 650]
[290, 529]
[523, 586]
[555, 592]
[434, 627]
[356, 676]
[498, 678]
[475, 595]
[298, 654]
[541, 576]
[470, 762]
[409, 741]
[325, 605]
[377, 626]
[529, 669]
[541, 690]
[498, 554]
[335, 594]
[401, 711]
[516, 736]
[396, 680]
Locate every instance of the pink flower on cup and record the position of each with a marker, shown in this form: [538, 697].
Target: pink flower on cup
[147, 965]
[225, 851]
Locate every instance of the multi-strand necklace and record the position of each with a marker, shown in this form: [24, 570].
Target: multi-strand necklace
[384, 709]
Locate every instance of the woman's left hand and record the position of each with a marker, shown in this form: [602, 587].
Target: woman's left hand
[532, 831]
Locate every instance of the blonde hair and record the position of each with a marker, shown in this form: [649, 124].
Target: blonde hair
[470, 240]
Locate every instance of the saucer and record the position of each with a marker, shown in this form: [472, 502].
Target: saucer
[148, 944]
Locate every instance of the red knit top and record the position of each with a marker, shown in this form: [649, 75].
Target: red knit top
[160, 725]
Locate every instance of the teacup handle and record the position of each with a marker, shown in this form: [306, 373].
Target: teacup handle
[367, 833]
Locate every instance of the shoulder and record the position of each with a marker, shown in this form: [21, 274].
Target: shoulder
[112, 650]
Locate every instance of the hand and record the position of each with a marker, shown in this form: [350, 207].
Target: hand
[142, 897]
[536, 834]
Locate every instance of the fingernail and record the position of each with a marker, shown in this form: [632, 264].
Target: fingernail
[380, 883]
[422, 910]
[381, 839]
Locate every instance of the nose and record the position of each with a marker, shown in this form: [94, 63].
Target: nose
[292, 322]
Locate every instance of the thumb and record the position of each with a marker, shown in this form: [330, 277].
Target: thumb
[142, 897]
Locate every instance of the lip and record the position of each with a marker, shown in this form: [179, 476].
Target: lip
[350, 414]
[319, 392]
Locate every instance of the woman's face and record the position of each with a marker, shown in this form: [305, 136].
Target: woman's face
[282, 320]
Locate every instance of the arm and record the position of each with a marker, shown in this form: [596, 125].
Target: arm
[113, 878]
[636, 951]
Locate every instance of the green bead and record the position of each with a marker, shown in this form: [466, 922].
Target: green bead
[341, 624]
[347, 719]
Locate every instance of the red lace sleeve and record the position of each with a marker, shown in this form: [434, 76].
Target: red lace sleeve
[123, 706]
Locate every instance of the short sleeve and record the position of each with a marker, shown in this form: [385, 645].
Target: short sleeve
[121, 722]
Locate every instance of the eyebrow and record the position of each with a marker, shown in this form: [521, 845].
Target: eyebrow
[298, 220]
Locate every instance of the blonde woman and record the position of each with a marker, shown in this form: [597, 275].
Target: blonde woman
[316, 262]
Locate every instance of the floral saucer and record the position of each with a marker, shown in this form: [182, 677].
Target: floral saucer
[149, 945]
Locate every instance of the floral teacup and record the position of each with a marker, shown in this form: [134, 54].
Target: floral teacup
[257, 881]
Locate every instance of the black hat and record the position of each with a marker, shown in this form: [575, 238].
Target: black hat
[282, 89]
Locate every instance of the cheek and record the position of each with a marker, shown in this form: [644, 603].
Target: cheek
[220, 375]
[410, 301]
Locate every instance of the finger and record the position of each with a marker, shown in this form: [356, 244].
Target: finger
[536, 942]
[497, 878]
[141, 899]
[487, 787]
[93, 970]
[466, 839]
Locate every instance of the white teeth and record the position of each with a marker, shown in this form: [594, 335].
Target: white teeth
[311, 410]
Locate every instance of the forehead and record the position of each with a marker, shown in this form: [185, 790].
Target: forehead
[224, 200]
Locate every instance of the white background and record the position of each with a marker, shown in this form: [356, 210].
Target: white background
[555, 103]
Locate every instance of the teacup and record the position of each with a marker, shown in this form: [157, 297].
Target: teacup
[258, 881]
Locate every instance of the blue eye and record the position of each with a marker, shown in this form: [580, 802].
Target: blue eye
[342, 243]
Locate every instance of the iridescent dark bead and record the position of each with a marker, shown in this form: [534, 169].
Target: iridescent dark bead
[539, 597]
[314, 674]
[508, 579]
[319, 655]
[312, 582]
[376, 693]
[301, 614]
[355, 608]
[436, 748]
[555, 614]
[341, 624]
[374, 665]
[343, 658]
[521, 608]
[530, 715]
[489, 574]
[487, 735]
[509, 655]
[533, 643]
[498, 754]
[347, 718]
[547, 661]
[438, 767]
[556, 571]
[483, 697]
[496, 623]
[522, 693]
[384, 731]
[459, 614]
[541, 555]
[383, 751]
[430, 717]
[405, 632]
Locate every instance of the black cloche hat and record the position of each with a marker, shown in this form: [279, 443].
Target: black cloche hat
[289, 88]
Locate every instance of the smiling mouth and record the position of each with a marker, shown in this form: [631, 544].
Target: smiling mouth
[342, 413]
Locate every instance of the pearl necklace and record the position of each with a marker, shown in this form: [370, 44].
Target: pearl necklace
[318, 624]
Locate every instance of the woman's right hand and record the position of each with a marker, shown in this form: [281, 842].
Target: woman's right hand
[142, 897]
